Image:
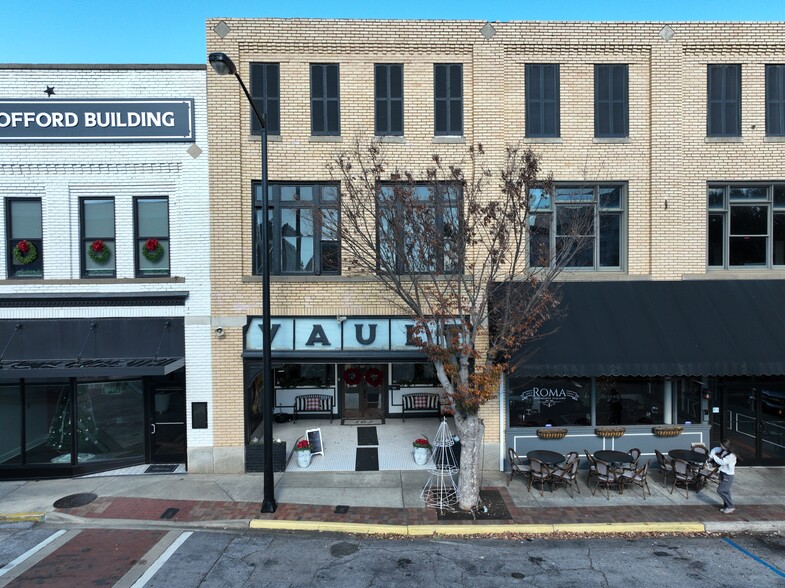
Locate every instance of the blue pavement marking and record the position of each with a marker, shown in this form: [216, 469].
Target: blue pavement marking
[756, 558]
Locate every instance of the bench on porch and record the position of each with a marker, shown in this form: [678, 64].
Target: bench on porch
[419, 402]
[313, 404]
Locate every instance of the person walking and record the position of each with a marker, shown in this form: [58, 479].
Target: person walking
[726, 458]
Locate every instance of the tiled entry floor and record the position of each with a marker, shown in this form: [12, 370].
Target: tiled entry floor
[340, 442]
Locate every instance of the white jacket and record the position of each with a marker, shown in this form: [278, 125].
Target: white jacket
[727, 461]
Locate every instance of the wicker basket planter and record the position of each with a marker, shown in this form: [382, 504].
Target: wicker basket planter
[609, 431]
[551, 433]
[667, 430]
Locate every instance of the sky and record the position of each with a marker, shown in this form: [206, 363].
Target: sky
[173, 31]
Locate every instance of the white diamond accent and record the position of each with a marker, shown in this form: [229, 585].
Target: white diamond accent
[194, 151]
[667, 32]
[221, 29]
[488, 31]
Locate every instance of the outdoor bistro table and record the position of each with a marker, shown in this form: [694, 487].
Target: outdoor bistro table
[613, 457]
[550, 458]
[694, 457]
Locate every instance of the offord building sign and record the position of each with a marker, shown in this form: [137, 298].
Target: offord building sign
[96, 121]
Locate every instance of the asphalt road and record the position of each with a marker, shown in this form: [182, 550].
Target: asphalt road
[184, 558]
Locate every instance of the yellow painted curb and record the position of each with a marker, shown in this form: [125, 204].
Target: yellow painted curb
[458, 530]
[22, 517]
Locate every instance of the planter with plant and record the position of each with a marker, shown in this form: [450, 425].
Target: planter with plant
[422, 450]
[303, 452]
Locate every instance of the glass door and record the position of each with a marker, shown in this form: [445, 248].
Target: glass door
[167, 426]
[754, 419]
[363, 390]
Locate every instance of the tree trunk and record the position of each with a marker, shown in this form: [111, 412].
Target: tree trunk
[471, 430]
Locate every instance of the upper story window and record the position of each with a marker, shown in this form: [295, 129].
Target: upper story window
[775, 100]
[746, 225]
[724, 101]
[579, 227]
[266, 96]
[448, 99]
[388, 93]
[302, 229]
[25, 244]
[542, 100]
[611, 100]
[418, 228]
[152, 236]
[98, 237]
[325, 99]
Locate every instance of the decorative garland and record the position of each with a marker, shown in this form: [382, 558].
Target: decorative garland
[153, 250]
[351, 377]
[25, 252]
[374, 377]
[99, 251]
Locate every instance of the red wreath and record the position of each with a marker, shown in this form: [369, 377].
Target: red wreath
[351, 377]
[374, 377]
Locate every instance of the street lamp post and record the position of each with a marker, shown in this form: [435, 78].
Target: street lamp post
[223, 65]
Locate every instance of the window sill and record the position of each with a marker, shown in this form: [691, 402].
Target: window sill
[758, 273]
[448, 139]
[544, 140]
[774, 139]
[611, 140]
[270, 138]
[61, 282]
[325, 139]
[390, 138]
[724, 140]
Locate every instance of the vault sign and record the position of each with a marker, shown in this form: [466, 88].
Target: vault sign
[549, 396]
[96, 121]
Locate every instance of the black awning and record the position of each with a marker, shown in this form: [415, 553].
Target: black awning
[663, 328]
[91, 368]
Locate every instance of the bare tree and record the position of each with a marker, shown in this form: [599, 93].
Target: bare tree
[447, 244]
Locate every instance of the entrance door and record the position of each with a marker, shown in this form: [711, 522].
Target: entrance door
[754, 419]
[363, 389]
[167, 426]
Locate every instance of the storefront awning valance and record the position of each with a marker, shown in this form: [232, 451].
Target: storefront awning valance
[91, 368]
[663, 328]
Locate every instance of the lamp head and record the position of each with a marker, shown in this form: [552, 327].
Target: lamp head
[222, 64]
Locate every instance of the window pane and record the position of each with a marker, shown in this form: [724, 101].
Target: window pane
[716, 198]
[317, 116]
[456, 81]
[610, 196]
[415, 374]
[574, 194]
[778, 239]
[747, 251]
[98, 218]
[610, 240]
[26, 219]
[539, 199]
[779, 195]
[539, 240]
[317, 81]
[549, 401]
[396, 117]
[456, 117]
[329, 193]
[629, 401]
[333, 120]
[396, 81]
[716, 240]
[296, 193]
[10, 425]
[575, 252]
[48, 423]
[380, 79]
[296, 240]
[110, 420]
[332, 81]
[440, 117]
[153, 217]
[158, 264]
[749, 220]
[440, 81]
[749, 193]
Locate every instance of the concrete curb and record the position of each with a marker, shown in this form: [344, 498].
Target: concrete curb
[490, 529]
[22, 517]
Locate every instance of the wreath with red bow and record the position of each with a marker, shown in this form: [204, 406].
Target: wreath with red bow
[25, 252]
[374, 377]
[351, 376]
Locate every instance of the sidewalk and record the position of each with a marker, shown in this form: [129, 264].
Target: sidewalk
[389, 502]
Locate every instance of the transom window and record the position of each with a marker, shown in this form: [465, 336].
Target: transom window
[746, 225]
[542, 100]
[98, 238]
[724, 96]
[25, 243]
[266, 96]
[611, 100]
[418, 228]
[325, 99]
[448, 99]
[775, 100]
[579, 226]
[388, 92]
[152, 236]
[302, 229]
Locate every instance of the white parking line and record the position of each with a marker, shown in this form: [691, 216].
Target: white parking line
[30, 552]
[158, 563]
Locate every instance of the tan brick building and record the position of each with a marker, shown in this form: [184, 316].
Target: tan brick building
[650, 125]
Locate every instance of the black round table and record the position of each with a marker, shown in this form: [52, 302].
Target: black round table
[694, 457]
[611, 456]
[545, 456]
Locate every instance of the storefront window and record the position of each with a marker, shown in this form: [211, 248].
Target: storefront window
[688, 401]
[549, 401]
[415, 374]
[305, 375]
[629, 401]
[48, 423]
[10, 425]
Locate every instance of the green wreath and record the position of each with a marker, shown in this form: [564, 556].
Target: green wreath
[152, 250]
[25, 252]
[99, 251]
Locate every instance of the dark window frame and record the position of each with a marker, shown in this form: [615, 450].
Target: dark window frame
[384, 101]
[725, 105]
[775, 100]
[275, 207]
[14, 271]
[600, 213]
[320, 77]
[140, 240]
[723, 245]
[399, 240]
[609, 104]
[267, 101]
[536, 104]
[85, 241]
[443, 98]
